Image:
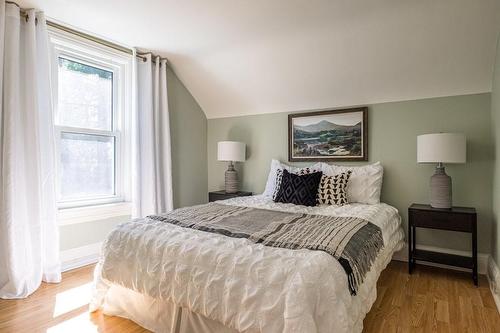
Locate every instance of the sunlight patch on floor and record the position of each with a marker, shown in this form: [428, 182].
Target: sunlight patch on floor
[72, 299]
[80, 323]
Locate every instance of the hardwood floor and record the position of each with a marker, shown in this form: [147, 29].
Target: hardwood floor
[61, 308]
[430, 300]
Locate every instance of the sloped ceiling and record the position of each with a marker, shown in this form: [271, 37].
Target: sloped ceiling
[240, 57]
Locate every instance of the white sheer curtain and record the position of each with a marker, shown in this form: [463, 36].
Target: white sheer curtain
[152, 165]
[29, 242]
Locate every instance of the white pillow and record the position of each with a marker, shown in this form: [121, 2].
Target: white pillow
[275, 166]
[365, 183]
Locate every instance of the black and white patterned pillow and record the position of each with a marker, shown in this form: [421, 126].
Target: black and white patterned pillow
[299, 189]
[333, 189]
[277, 182]
[279, 176]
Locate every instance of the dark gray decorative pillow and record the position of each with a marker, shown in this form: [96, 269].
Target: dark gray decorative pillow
[333, 189]
[279, 176]
[299, 189]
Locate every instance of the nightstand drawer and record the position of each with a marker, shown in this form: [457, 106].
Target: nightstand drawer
[441, 220]
[222, 195]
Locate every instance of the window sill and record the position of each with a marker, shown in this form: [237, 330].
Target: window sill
[67, 216]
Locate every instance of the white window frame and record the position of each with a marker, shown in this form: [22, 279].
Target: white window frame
[89, 53]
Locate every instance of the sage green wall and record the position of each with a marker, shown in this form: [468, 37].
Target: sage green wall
[188, 126]
[495, 117]
[393, 129]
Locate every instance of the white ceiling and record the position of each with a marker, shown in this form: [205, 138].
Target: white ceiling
[240, 57]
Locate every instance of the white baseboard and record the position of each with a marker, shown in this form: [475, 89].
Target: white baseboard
[494, 281]
[80, 256]
[482, 258]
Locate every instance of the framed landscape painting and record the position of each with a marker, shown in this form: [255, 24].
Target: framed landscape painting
[333, 135]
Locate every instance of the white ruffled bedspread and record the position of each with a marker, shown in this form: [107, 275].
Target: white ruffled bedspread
[245, 286]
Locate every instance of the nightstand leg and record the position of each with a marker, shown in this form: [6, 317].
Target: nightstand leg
[474, 254]
[414, 246]
[410, 252]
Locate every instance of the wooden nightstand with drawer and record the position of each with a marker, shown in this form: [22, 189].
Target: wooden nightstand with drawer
[461, 219]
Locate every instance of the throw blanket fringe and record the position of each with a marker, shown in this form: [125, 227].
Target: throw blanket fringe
[362, 256]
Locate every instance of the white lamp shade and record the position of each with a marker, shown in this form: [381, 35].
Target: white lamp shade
[231, 151]
[441, 148]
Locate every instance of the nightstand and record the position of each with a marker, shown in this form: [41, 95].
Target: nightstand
[461, 219]
[222, 195]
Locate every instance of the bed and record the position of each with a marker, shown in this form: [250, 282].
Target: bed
[168, 278]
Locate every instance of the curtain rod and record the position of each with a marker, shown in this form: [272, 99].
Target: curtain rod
[97, 40]
[141, 55]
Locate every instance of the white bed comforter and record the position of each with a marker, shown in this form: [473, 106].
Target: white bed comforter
[246, 286]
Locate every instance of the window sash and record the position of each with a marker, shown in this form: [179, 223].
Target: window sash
[96, 64]
[94, 199]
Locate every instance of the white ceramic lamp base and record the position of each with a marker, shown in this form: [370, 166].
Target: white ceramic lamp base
[441, 188]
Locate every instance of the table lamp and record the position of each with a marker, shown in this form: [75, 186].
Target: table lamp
[441, 148]
[231, 151]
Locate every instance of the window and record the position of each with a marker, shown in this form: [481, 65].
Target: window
[91, 105]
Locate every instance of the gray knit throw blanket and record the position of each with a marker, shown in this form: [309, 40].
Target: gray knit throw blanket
[353, 241]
